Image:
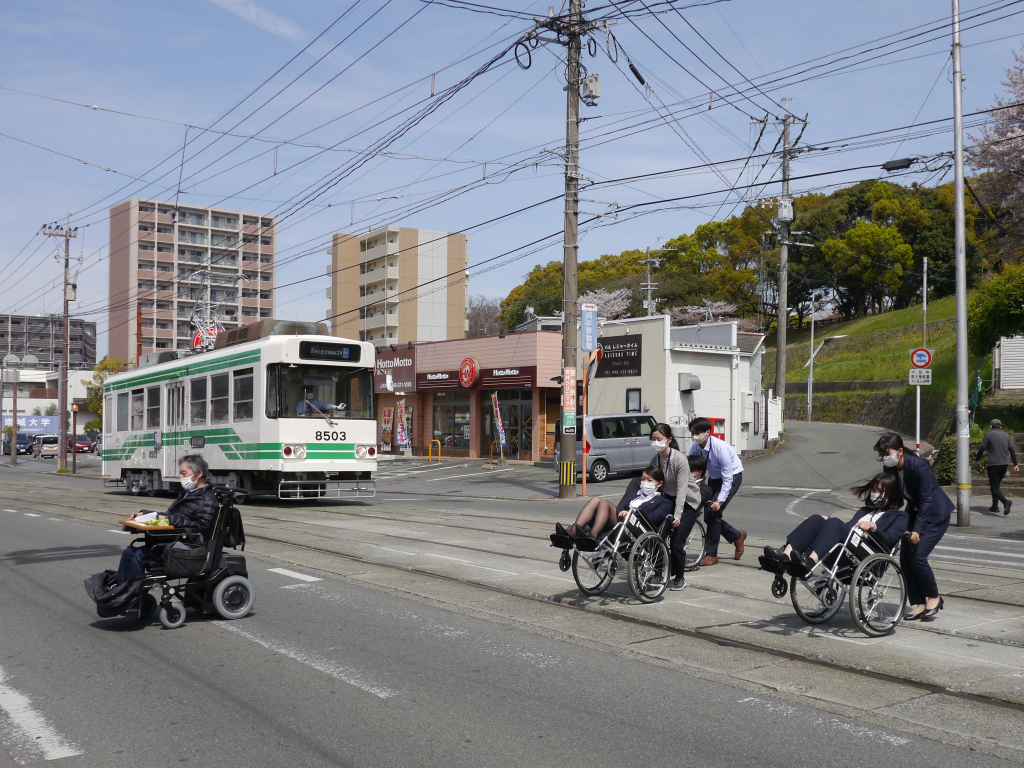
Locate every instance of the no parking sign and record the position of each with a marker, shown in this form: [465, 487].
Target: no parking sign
[921, 357]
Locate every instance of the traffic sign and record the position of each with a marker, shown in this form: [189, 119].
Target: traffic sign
[920, 376]
[588, 326]
[921, 357]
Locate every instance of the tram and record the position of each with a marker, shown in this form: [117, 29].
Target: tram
[277, 408]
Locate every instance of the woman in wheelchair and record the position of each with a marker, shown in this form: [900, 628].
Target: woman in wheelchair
[881, 514]
[598, 515]
[195, 507]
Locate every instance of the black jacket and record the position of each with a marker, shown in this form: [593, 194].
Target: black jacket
[196, 511]
[891, 525]
[655, 510]
[928, 506]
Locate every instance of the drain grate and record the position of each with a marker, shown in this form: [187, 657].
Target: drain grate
[828, 453]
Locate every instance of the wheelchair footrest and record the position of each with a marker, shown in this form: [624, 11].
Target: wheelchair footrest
[771, 565]
[586, 543]
[560, 541]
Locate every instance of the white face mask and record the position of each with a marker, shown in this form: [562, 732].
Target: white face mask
[702, 438]
[890, 460]
[659, 445]
[188, 483]
[875, 497]
[697, 476]
[648, 487]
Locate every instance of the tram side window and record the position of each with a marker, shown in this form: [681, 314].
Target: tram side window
[153, 408]
[138, 410]
[122, 412]
[273, 402]
[219, 397]
[198, 400]
[108, 414]
[243, 394]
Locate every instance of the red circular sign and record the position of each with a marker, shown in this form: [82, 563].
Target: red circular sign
[197, 337]
[921, 358]
[469, 372]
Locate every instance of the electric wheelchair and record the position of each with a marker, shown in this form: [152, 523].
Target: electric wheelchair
[633, 543]
[859, 566]
[204, 576]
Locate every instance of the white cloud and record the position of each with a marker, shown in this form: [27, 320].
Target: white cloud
[264, 19]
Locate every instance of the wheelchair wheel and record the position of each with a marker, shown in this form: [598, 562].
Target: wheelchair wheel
[593, 571]
[696, 545]
[172, 615]
[148, 606]
[648, 568]
[233, 598]
[877, 595]
[816, 600]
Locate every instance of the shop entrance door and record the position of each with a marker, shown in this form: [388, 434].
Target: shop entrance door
[518, 421]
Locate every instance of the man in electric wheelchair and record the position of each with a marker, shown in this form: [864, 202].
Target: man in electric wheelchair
[824, 557]
[186, 562]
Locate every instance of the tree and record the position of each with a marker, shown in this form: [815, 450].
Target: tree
[94, 390]
[611, 305]
[996, 309]
[51, 410]
[483, 316]
[872, 259]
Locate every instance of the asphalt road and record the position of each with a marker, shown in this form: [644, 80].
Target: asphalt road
[329, 672]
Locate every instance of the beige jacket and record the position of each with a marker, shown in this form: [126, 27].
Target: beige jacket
[687, 491]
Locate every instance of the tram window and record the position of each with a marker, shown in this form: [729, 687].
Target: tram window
[138, 410]
[219, 393]
[153, 408]
[108, 414]
[243, 394]
[273, 401]
[312, 391]
[198, 400]
[122, 412]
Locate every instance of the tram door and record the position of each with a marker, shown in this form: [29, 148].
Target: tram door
[175, 438]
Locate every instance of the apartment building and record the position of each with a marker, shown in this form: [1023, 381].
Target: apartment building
[394, 285]
[43, 337]
[166, 258]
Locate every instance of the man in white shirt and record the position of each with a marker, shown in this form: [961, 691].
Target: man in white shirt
[724, 475]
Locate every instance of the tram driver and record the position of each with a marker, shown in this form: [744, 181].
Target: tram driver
[310, 405]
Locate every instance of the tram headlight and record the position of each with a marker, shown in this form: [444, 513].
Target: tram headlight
[293, 451]
[300, 451]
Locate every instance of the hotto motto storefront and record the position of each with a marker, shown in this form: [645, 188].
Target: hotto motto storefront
[445, 388]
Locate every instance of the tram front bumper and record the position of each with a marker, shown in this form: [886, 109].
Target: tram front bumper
[326, 489]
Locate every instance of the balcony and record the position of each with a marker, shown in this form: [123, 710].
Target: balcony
[222, 222]
[379, 251]
[375, 301]
[197, 238]
[377, 275]
[379, 321]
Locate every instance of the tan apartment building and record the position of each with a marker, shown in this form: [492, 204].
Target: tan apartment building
[393, 285]
[156, 249]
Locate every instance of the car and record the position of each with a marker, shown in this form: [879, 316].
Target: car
[619, 442]
[82, 444]
[24, 444]
[46, 447]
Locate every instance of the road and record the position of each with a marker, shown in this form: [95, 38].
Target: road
[350, 658]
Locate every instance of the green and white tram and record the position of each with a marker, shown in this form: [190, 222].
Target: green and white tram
[277, 408]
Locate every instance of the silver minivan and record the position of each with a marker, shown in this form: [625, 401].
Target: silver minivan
[619, 442]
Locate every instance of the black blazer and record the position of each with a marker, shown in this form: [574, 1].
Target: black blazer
[655, 510]
[891, 525]
[927, 504]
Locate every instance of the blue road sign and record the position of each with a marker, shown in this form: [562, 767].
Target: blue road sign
[588, 327]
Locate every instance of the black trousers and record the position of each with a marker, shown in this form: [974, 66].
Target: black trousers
[679, 533]
[917, 573]
[715, 522]
[818, 534]
[995, 477]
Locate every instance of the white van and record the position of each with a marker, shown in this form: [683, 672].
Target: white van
[619, 442]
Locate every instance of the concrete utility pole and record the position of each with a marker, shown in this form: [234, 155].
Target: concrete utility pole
[62, 382]
[649, 285]
[963, 427]
[785, 218]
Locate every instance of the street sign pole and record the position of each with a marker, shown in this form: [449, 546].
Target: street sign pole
[920, 360]
[917, 421]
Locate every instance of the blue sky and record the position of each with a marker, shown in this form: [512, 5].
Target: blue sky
[188, 63]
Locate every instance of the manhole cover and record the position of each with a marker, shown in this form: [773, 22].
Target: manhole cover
[828, 453]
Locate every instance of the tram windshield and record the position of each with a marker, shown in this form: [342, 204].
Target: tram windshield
[315, 391]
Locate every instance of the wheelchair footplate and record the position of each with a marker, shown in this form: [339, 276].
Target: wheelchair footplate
[561, 541]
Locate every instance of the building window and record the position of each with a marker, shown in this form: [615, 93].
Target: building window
[198, 400]
[163, 345]
[153, 408]
[632, 401]
[219, 396]
[243, 394]
[265, 313]
[145, 247]
[164, 249]
[138, 410]
[266, 241]
[451, 419]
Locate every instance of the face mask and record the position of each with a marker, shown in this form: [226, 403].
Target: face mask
[648, 487]
[701, 439]
[890, 460]
[659, 445]
[188, 483]
[697, 476]
[875, 497]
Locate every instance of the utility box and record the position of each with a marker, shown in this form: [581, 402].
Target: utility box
[688, 382]
[590, 89]
[785, 210]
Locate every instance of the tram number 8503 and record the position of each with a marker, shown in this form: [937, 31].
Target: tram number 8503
[330, 436]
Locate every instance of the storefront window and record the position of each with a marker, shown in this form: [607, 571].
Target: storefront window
[451, 420]
[516, 408]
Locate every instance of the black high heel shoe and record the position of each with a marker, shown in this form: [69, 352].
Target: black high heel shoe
[931, 614]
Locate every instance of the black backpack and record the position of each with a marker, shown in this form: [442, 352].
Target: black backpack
[234, 534]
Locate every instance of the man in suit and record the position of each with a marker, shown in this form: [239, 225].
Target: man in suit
[929, 509]
[684, 523]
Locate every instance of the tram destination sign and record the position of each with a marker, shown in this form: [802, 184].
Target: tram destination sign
[319, 350]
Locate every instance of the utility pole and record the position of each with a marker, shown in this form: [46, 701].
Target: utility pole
[785, 219]
[649, 285]
[963, 427]
[924, 342]
[62, 382]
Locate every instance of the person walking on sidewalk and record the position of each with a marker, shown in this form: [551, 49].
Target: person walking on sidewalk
[725, 474]
[999, 447]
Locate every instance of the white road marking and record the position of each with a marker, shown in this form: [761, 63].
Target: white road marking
[30, 737]
[30, 514]
[1000, 563]
[833, 723]
[11, 510]
[982, 551]
[126, 533]
[471, 474]
[294, 574]
[791, 507]
[399, 551]
[466, 562]
[327, 667]
[786, 488]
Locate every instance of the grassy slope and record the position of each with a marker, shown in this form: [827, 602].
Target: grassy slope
[877, 348]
